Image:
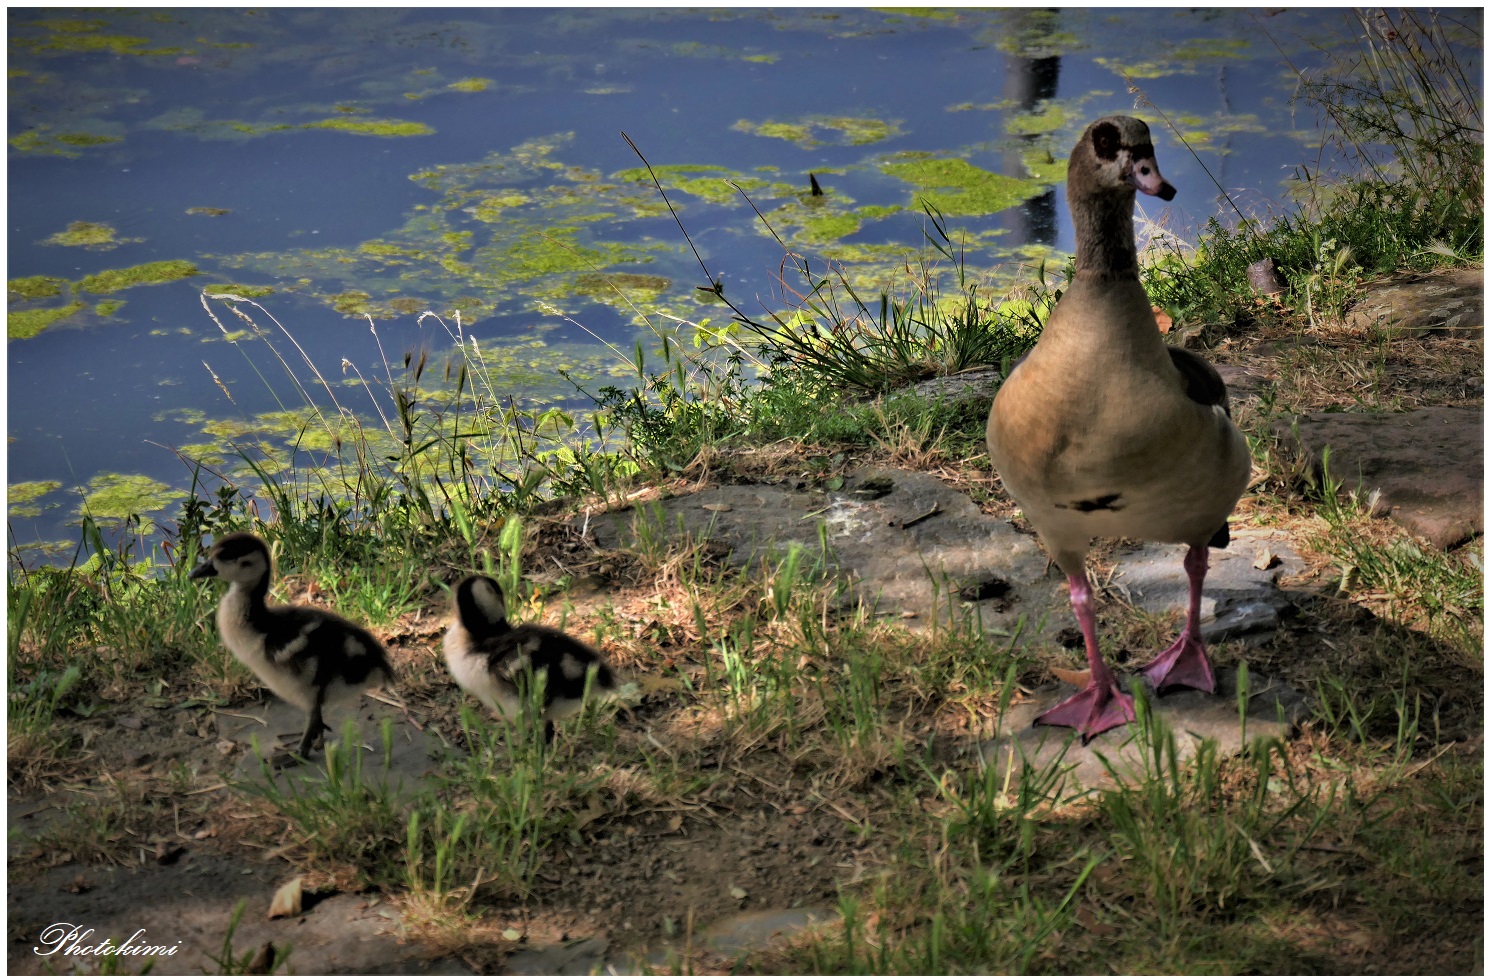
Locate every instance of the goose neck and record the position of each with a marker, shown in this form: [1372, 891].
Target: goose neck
[1104, 227]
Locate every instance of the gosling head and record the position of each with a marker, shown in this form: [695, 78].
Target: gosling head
[240, 558]
[1115, 154]
[480, 606]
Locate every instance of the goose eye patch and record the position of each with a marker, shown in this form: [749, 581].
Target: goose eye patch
[1106, 141]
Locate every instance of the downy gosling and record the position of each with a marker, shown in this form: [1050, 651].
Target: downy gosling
[310, 657]
[493, 659]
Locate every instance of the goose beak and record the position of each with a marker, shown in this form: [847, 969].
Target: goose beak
[205, 570]
[1146, 178]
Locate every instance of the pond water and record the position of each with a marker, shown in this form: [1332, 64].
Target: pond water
[341, 164]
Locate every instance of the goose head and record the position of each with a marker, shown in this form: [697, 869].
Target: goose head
[479, 605]
[1115, 156]
[240, 558]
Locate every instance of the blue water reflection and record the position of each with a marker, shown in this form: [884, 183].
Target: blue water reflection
[94, 394]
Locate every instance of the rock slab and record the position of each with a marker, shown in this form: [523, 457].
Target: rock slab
[1241, 598]
[412, 760]
[1059, 762]
[907, 551]
[1426, 464]
[957, 558]
[1445, 303]
[188, 905]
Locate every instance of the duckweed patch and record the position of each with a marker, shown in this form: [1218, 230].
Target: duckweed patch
[238, 289]
[46, 143]
[189, 119]
[22, 498]
[844, 130]
[632, 286]
[921, 13]
[81, 42]
[148, 274]
[712, 183]
[88, 234]
[1034, 33]
[830, 227]
[371, 127]
[1048, 119]
[1044, 167]
[23, 324]
[352, 302]
[957, 187]
[35, 287]
[120, 496]
[1183, 58]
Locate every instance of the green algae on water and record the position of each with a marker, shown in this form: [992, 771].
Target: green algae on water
[109, 307]
[88, 234]
[118, 496]
[44, 142]
[471, 85]
[238, 289]
[151, 273]
[21, 498]
[957, 187]
[632, 286]
[370, 127]
[80, 43]
[22, 324]
[846, 130]
[36, 287]
[822, 228]
[1050, 118]
[1184, 58]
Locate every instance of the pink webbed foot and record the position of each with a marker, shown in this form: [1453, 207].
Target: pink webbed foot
[1183, 664]
[1093, 710]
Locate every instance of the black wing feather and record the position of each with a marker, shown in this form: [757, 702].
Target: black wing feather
[547, 656]
[1203, 384]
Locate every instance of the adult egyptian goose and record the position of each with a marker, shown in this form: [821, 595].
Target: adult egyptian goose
[1103, 430]
[310, 657]
[496, 660]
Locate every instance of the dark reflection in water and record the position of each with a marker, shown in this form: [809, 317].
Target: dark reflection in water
[1029, 81]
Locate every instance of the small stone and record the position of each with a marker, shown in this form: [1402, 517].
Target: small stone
[226, 746]
[717, 508]
[1264, 278]
[130, 722]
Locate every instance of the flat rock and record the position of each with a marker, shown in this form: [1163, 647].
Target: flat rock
[188, 904]
[978, 384]
[1273, 711]
[1239, 599]
[916, 569]
[734, 935]
[1446, 303]
[1425, 464]
[413, 756]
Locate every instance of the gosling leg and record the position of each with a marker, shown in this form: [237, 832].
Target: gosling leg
[314, 727]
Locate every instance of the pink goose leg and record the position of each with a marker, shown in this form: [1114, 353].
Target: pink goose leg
[1184, 663]
[1101, 705]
